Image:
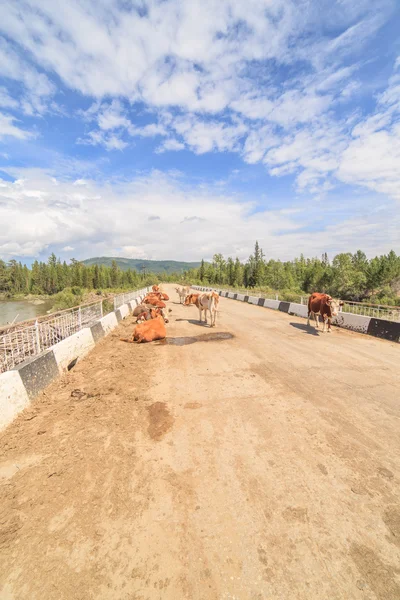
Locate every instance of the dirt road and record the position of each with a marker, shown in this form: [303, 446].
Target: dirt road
[264, 466]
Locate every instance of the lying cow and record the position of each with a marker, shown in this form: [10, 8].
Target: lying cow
[139, 309]
[207, 302]
[151, 313]
[154, 301]
[149, 331]
[324, 305]
[155, 288]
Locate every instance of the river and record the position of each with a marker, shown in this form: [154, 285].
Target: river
[9, 309]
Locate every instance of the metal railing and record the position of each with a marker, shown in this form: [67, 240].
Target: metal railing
[21, 341]
[377, 311]
[121, 299]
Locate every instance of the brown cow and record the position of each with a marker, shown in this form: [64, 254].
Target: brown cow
[154, 301]
[324, 305]
[149, 331]
[155, 288]
[151, 313]
[139, 309]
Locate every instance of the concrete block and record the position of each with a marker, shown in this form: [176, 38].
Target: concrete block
[240, 297]
[74, 347]
[354, 322]
[388, 330]
[36, 373]
[230, 295]
[261, 302]
[13, 397]
[124, 310]
[97, 332]
[109, 322]
[252, 300]
[284, 306]
[271, 303]
[298, 309]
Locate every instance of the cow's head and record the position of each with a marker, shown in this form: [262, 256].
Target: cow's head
[334, 305]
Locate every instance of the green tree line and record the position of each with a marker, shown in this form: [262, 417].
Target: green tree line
[347, 276]
[55, 276]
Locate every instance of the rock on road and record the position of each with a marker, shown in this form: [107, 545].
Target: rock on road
[261, 467]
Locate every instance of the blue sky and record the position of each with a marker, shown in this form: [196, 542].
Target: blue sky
[174, 130]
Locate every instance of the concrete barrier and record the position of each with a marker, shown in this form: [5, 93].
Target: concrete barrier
[300, 310]
[74, 347]
[271, 303]
[109, 322]
[380, 328]
[19, 386]
[13, 397]
[354, 322]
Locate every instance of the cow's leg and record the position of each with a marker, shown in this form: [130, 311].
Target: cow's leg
[329, 325]
[308, 318]
[324, 325]
[316, 315]
[200, 315]
[205, 316]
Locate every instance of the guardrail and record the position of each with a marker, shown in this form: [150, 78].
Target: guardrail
[125, 297]
[377, 311]
[26, 339]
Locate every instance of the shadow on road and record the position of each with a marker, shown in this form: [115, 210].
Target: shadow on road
[194, 322]
[305, 328]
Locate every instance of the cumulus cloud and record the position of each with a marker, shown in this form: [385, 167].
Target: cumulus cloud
[174, 220]
[8, 128]
[267, 80]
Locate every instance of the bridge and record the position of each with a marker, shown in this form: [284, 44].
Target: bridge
[257, 460]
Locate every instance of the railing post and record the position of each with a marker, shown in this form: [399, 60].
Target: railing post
[79, 318]
[101, 309]
[276, 296]
[37, 336]
[301, 299]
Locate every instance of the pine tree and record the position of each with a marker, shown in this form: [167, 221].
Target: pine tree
[202, 271]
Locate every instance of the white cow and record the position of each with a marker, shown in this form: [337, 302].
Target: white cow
[207, 302]
[182, 293]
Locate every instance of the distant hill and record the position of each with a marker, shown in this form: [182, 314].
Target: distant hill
[153, 266]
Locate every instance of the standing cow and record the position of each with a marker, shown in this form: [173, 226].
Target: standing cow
[208, 301]
[324, 305]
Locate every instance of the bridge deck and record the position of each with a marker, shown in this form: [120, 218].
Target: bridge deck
[265, 466]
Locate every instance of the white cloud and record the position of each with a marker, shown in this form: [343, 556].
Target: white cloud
[37, 88]
[170, 145]
[193, 221]
[259, 78]
[6, 101]
[372, 158]
[110, 141]
[9, 129]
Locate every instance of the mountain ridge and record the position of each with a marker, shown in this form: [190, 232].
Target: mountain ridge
[151, 266]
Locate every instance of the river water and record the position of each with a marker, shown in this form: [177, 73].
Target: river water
[9, 309]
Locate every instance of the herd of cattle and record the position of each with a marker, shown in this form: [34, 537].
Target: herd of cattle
[151, 315]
